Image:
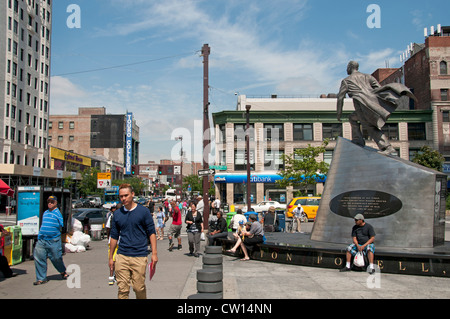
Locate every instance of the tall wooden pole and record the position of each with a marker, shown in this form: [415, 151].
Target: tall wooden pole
[247, 147]
[206, 134]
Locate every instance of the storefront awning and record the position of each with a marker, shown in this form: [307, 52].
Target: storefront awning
[254, 178]
[5, 189]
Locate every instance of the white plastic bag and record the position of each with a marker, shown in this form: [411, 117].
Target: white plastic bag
[358, 261]
[79, 238]
[76, 225]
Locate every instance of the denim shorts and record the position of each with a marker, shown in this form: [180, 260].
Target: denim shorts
[353, 249]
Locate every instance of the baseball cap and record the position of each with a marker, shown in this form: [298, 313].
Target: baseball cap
[52, 198]
[359, 217]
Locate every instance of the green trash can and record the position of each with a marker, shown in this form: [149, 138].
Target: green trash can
[229, 217]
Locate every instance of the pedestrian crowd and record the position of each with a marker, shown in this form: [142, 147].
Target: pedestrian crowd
[131, 228]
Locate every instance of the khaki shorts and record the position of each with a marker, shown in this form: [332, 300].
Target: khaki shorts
[175, 231]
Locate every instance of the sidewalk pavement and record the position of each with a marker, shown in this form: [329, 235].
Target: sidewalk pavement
[175, 278]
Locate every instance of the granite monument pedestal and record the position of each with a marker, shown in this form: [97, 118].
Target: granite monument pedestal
[403, 201]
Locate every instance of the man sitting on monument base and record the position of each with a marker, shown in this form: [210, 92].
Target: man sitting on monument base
[363, 236]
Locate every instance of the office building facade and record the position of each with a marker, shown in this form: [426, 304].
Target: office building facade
[25, 50]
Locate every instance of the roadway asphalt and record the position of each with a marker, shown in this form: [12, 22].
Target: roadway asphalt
[175, 279]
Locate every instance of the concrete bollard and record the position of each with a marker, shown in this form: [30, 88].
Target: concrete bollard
[209, 278]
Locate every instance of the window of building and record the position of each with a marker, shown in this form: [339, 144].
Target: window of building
[331, 131]
[444, 94]
[389, 129]
[240, 160]
[60, 125]
[328, 157]
[71, 125]
[273, 132]
[222, 158]
[50, 125]
[60, 138]
[416, 131]
[445, 116]
[443, 68]
[303, 132]
[240, 193]
[71, 138]
[273, 160]
[222, 134]
[240, 130]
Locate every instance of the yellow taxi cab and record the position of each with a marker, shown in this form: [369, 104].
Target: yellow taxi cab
[310, 205]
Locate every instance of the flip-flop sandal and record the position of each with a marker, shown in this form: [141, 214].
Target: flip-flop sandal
[64, 275]
[40, 282]
[245, 259]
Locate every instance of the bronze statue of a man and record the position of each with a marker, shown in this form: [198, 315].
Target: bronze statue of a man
[373, 105]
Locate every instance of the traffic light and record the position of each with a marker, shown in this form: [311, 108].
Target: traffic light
[134, 169]
[159, 170]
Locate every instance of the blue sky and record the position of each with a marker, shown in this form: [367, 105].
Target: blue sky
[143, 56]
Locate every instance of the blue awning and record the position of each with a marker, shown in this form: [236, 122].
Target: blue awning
[254, 178]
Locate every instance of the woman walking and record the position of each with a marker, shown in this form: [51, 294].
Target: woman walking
[160, 223]
[194, 228]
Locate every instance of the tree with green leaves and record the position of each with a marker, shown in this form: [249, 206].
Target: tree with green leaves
[135, 182]
[302, 168]
[430, 158]
[88, 184]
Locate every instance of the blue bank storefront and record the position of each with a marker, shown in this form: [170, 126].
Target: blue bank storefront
[232, 187]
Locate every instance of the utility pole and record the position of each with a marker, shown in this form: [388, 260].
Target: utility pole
[247, 146]
[206, 138]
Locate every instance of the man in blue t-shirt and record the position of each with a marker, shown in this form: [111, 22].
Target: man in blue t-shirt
[133, 223]
[49, 243]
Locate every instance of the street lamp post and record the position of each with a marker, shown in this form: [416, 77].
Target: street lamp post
[180, 138]
[247, 145]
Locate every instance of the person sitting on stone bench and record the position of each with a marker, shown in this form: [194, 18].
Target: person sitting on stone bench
[270, 220]
[251, 236]
[219, 231]
[363, 236]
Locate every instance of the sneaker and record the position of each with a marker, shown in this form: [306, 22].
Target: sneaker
[111, 281]
[170, 246]
[371, 271]
[179, 247]
[345, 269]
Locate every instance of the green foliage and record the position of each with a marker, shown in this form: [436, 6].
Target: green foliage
[135, 182]
[88, 184]
[302, 167]
[430, 158]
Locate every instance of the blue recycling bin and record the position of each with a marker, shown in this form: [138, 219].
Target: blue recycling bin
[247, 215]
[281, 220]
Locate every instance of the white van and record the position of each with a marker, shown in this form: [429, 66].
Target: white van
[171, 194]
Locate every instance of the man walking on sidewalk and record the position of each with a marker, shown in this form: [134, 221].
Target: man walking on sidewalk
[175, 228]
[49, 243]
[133, 223]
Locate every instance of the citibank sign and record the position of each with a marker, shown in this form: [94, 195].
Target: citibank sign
[254, 178]
[128, 143]
[242, 178]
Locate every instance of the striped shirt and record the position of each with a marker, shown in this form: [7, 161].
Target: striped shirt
[52, 222]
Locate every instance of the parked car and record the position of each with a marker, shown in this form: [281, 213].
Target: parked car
[264, 206]
[96, 216]
[95, 201]
[77, 203]
[310, 205]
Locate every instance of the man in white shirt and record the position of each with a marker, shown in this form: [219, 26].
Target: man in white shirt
[298, 212]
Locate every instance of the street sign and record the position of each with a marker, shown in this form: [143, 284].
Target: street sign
[104, 175]
[206, 172]
[103, 180]
[218, 167]
[103, 183]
